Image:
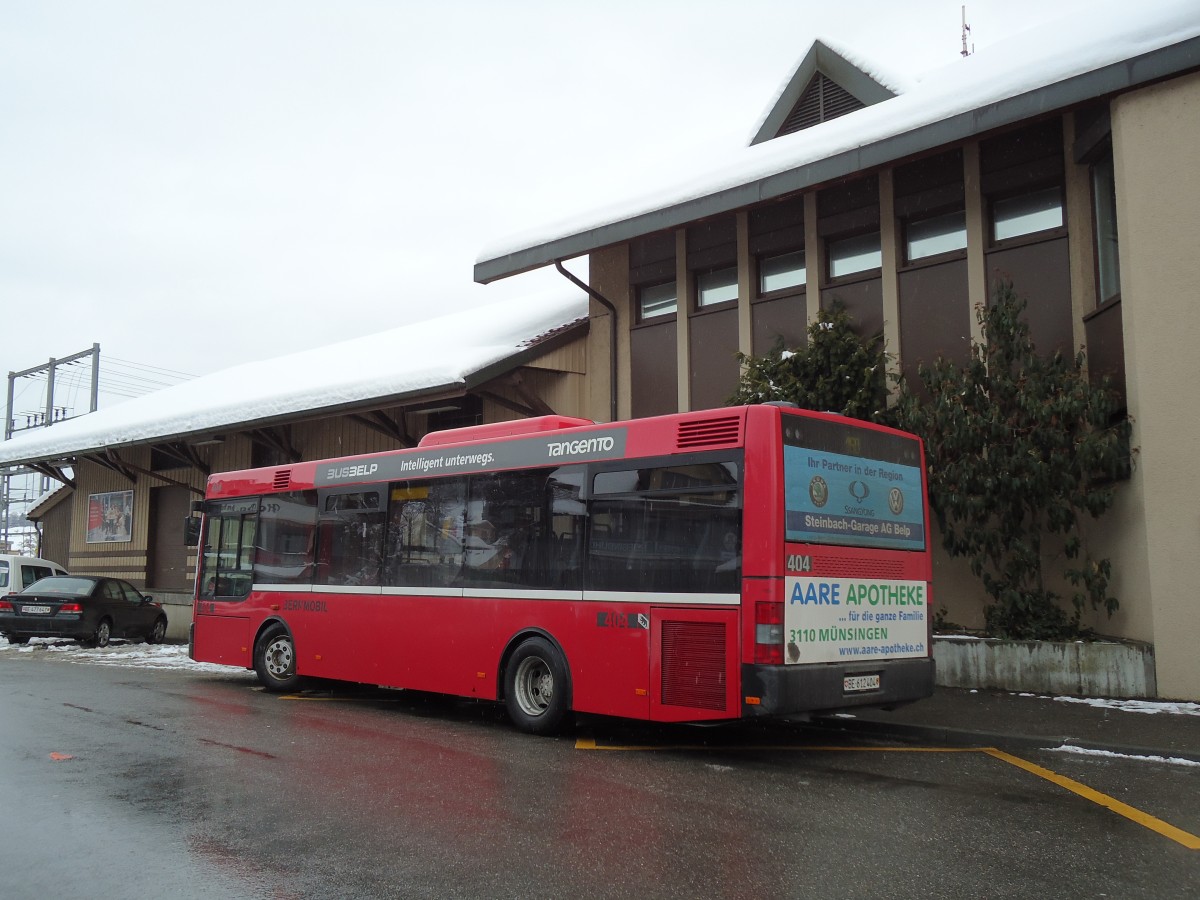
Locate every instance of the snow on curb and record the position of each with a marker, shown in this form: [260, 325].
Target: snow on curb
[120, 653]
[1170, 760]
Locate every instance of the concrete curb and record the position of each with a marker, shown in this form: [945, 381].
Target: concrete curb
[1116, 669]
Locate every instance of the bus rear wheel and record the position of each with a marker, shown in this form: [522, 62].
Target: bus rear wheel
[275, 660]
[537, 687]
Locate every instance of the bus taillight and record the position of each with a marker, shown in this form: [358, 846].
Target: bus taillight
[768, 632]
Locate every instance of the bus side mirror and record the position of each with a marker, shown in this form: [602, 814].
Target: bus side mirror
[191, 531]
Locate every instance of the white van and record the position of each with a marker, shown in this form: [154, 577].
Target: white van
[19, 572]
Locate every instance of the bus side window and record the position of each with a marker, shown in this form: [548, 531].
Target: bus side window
[670, 528]
[350, 530]
[504, 531]
[564, 568]
[287, 529]
[523, 529]
[424, 533]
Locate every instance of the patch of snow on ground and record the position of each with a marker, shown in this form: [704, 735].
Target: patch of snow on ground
[1137, 706]
[1083, 751]
[951, 636]
[121, 653]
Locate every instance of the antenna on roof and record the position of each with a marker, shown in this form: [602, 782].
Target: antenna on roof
[966, 30]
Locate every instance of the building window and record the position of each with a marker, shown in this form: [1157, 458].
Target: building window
[716, 286]
[778, 273]
[936, 235]
[657, 300]
[1027, 214]
[1104, 201]
[852, 255]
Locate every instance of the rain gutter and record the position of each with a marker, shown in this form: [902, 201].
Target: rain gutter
[612, 335]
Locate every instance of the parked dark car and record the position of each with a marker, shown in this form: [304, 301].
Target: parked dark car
[91, 610]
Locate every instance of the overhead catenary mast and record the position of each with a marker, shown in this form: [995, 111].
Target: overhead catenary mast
[50, 368]
[53, 413]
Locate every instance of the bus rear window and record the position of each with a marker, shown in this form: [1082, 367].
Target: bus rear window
[851, 486]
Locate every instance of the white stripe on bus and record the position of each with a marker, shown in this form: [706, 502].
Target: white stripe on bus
[645, 598]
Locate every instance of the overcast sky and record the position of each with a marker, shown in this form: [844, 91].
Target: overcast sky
[192, 184]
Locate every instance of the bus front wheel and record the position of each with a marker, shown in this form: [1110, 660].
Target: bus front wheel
[275, 660]
[537, 687]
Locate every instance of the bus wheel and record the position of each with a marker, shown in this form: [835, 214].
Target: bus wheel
[537, 687]
[275, 660]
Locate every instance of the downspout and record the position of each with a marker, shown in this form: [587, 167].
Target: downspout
[612, 335]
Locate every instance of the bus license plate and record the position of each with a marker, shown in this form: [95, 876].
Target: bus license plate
[852, 683]
[36, 610]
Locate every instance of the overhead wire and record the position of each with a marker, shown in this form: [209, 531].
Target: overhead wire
[118, 378]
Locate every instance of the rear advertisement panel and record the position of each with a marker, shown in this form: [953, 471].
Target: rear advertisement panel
[854, 620]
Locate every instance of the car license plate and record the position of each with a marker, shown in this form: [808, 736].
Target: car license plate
[36, 610]
[852, 683]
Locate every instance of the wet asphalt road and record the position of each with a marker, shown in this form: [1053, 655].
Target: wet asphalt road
[197, 785]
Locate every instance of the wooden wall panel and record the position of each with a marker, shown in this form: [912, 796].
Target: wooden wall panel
[56, 533]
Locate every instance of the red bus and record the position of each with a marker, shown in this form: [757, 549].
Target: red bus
[749, 561]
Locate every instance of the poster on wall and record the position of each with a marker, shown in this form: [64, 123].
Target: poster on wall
[110, 517]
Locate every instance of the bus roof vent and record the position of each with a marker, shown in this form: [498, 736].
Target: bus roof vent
[283, 479]
[714, 432]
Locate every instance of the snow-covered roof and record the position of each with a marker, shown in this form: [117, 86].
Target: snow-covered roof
[1116, 46]
[449, 352]
[47, 501]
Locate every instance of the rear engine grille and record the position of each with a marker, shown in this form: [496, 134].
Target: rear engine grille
[709, 432]
[693, 664]
[852, 567]
[283, 480]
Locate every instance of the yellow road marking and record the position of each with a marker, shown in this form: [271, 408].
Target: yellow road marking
[1191, 841]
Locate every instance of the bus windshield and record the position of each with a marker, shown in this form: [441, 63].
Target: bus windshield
[849, 485]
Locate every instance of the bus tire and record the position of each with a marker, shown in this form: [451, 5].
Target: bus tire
[537, 687]
[275, 660]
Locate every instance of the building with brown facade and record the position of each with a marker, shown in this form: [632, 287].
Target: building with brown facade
[1062, 159]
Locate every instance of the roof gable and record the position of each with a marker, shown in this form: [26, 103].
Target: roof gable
[823, 86]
